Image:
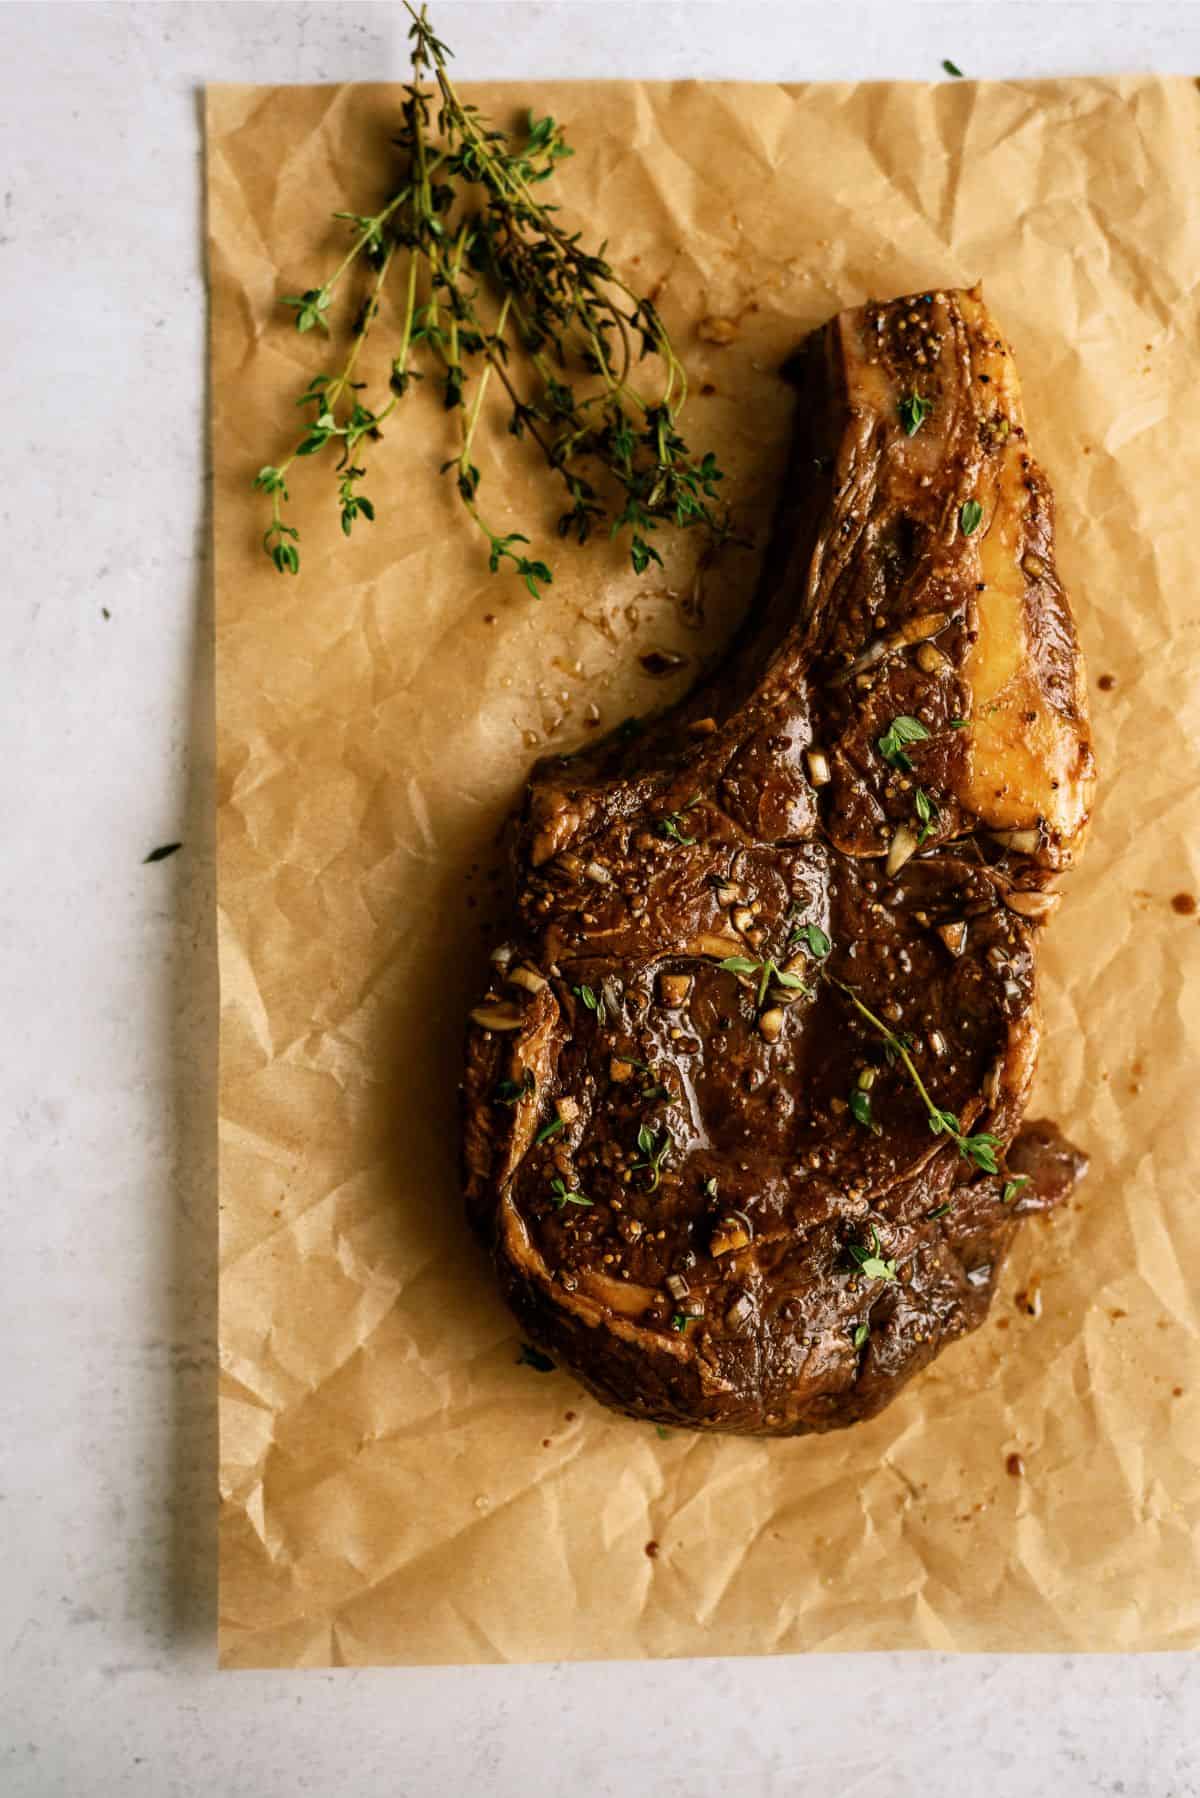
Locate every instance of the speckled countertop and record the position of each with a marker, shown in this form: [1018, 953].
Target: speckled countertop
[108, 994]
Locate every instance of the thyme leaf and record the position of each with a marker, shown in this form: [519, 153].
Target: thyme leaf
[767, 972]
[507, 1092]
[900, 731]
[860, 1109]
[561, 1196]
[869, 1260]
[592, 1001]
[927, 813]
[814, 940]
[655, 1146]
[671, 824]
[913, 413]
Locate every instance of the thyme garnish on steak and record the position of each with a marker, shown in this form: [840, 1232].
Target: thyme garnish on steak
[561, 1195]
[927, 814]
[860, 1110]
[482, 274]
[979, 1149]
[899, 732]
[867, 1257]
[913, 413]
[767, 971]
[670, 824]
[592, 1001]
[813, 939]
[655, 1146]
[507, 1092]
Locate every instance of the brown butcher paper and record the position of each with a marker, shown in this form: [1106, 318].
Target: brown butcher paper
[396, 1485]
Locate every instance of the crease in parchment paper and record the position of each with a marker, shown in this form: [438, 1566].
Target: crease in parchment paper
[396, 1486]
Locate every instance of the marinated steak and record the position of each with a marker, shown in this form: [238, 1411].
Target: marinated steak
[741, 1100]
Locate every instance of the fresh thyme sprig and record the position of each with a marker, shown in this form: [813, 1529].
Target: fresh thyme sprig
[979, 1149]
[486, 270]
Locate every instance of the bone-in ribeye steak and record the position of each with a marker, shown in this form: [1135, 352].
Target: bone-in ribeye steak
[716, 1191]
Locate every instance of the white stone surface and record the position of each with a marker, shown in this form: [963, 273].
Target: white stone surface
[107, 994]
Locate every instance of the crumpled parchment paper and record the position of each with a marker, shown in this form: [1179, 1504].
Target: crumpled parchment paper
[395, 1486]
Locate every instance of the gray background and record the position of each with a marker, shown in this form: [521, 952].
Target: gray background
[108, 993]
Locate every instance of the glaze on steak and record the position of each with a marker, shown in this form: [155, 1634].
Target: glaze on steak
[715, 1192]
